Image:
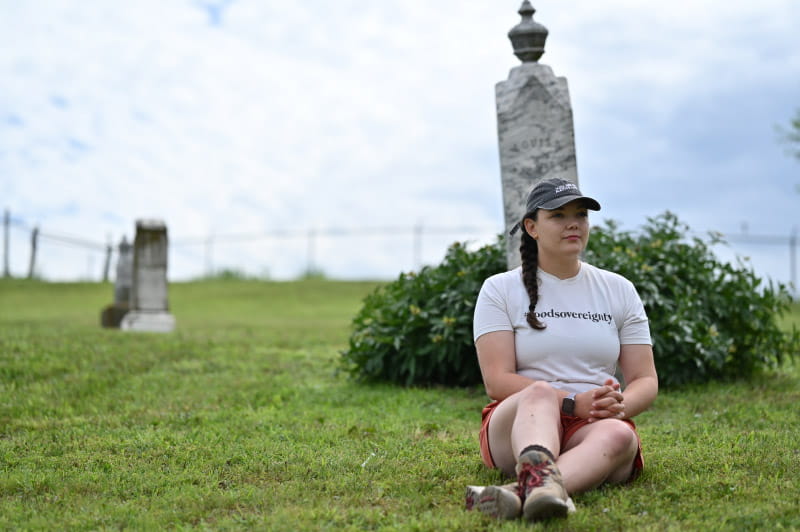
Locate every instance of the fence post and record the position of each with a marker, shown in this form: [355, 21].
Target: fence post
[32, 265]
[793, 258]
[210, 255]
[418, 246]
[107, 264]
[312, 236]
[6, 224]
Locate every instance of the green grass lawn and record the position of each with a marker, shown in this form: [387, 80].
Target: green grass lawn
[238, 420]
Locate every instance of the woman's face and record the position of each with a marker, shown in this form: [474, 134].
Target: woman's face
[561, 232]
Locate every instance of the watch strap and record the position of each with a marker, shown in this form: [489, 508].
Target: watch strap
[568, 404]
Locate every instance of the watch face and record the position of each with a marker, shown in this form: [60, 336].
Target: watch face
[568, 406]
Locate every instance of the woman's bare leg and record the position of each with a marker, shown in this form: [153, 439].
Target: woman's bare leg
[529, 417]
[602, 451]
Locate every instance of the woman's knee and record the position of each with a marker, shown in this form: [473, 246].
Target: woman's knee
[621, 441]
[622, 446]
[538, 391]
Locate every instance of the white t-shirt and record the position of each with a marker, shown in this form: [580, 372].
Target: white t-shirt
[587, 318]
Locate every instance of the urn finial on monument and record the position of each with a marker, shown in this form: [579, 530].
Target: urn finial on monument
[528, 36]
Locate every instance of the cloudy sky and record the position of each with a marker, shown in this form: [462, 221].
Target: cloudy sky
[271, 136]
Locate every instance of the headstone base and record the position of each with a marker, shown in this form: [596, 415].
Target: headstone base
[112, 315]
[150, 321]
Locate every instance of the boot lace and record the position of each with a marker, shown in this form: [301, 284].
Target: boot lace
[532, 476]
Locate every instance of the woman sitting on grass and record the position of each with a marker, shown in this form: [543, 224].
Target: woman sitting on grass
[549, 336]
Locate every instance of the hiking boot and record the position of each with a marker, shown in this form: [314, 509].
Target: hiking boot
[541, 487]
[500, 502]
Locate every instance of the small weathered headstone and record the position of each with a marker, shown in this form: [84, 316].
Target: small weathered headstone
[534, 125]
[124, 278]
[148, 292]
[112, 314]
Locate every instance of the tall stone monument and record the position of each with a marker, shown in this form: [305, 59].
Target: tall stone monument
[149, 308]
[534, 125]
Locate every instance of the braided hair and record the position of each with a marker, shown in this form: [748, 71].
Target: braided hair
[529, 251]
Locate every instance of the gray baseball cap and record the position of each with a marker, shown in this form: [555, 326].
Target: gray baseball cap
[551, 194]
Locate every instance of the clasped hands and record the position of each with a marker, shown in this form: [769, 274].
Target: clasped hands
[606, 402]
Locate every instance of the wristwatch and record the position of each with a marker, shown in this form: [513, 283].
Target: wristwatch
[568, 405]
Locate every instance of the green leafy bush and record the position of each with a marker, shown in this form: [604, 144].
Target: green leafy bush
[708, 319]
[418, 329]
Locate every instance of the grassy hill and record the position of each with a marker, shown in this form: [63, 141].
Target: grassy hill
[238, 420]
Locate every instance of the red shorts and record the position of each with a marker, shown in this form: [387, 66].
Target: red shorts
[569, 425]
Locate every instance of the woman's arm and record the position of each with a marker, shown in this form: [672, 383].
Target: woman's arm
[498, 362]
[641, 381]
[639, 371]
